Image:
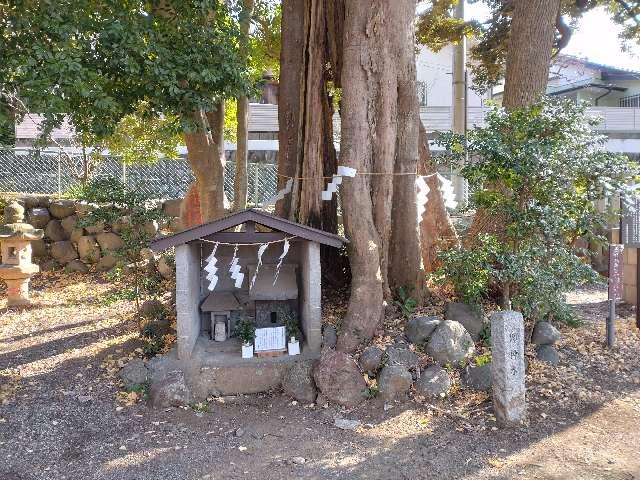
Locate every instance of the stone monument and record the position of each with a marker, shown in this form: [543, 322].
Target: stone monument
[16, 268]
[507, 352]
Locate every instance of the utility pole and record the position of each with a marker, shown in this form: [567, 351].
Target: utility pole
[459, 100]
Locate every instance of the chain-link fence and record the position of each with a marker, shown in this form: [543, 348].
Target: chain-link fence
[35, 171]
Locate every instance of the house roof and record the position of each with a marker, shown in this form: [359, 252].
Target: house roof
[251, 215]
[220, 302]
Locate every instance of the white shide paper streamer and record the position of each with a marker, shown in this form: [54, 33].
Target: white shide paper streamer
[234, 268]
[260, 253]
[448, 195]
[422, 196]
[211, 268]
[332, 186]
[285, 249]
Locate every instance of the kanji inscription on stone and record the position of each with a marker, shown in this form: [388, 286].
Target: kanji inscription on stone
[615, 271]
[630, 216]
[507, 367]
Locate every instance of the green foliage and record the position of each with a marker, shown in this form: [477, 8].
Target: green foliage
[246, 330]
[97, 61]
[538, 172]
[290, 321]
[116, 295]
[152, 345]
[437, 26]
[141, 388]
[480, 360]
[405, 302]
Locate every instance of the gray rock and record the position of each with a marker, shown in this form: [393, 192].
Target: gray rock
[172, 391]
[346, 424]
[151, 228]
[370, 359]
[298, 382]
[134, 373]
[54, 231]
[165, 268]
[471, 318]
[106, 263]
[548, 354]
[338, 377]
[298, 460]
[38, 217]
[44, 201]
[171, 208]
[419, 329]
[121, 224]
[95, 228]
[62, 208]
[450, 343]
[477, 377]
[39, 248]
[434, 382]
[152, 308]
[88, 249]
[329, 336]
[401, 357]
[31, 201]
[393, 380]
[109, 241]
[63, 252]
[76, 234]
[545, 334]
[77, 266]
[69, 223]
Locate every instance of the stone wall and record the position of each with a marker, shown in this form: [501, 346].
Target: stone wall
[68, 244]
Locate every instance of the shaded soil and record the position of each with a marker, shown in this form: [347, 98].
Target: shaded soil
[63, 414]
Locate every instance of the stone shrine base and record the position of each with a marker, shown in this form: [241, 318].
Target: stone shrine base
[217, 369]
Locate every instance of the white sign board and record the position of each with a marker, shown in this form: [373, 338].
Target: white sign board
[271, 339]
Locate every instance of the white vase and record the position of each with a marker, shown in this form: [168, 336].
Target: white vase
[293, 346]
[247, 350]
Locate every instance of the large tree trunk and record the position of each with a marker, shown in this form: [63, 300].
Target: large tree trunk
[205, 152]
[529, 52]
[533, 27]
[379, 130]
[436, 229]
[242, 117]
[405, 265]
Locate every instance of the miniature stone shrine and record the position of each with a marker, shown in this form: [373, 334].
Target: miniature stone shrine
[16, 268]
[249, 270]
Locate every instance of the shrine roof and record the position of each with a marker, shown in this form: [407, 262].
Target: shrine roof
[251, 215]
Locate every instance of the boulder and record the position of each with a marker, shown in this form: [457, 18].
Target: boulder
[30, 201]
[76, 234]
[298, 382]
[171, 208]
[471, 317]
[548, 354]
[393, 380]
[329, 336]
[69, 223]
[134, 373]
[44, 201]
[477, 377]
[419, 328]
[172, 391]
[151, 228]
[63, 251]
[338, 377]
[120, 224]
[55, 232]
[370, 359]
[165, 268]
[38, 217]
[450, 343]
[109, 242]
[545, 334]
[96, 228]
[39, 248]
[434, 382]
[152, 308]
[400, 356]
[106, 263]
[88, 249]
[77, 266]
[62, 208]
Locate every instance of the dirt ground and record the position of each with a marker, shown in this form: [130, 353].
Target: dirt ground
[64, 416]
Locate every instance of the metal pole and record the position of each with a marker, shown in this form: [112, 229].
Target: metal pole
[460, 103]
[611, 324]
[256, 184]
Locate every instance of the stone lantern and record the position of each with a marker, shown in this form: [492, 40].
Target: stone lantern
[16, 268]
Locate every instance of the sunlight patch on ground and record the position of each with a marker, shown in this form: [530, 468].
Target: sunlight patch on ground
[135, 458]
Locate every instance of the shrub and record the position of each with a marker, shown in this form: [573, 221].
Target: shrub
[536, 175]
